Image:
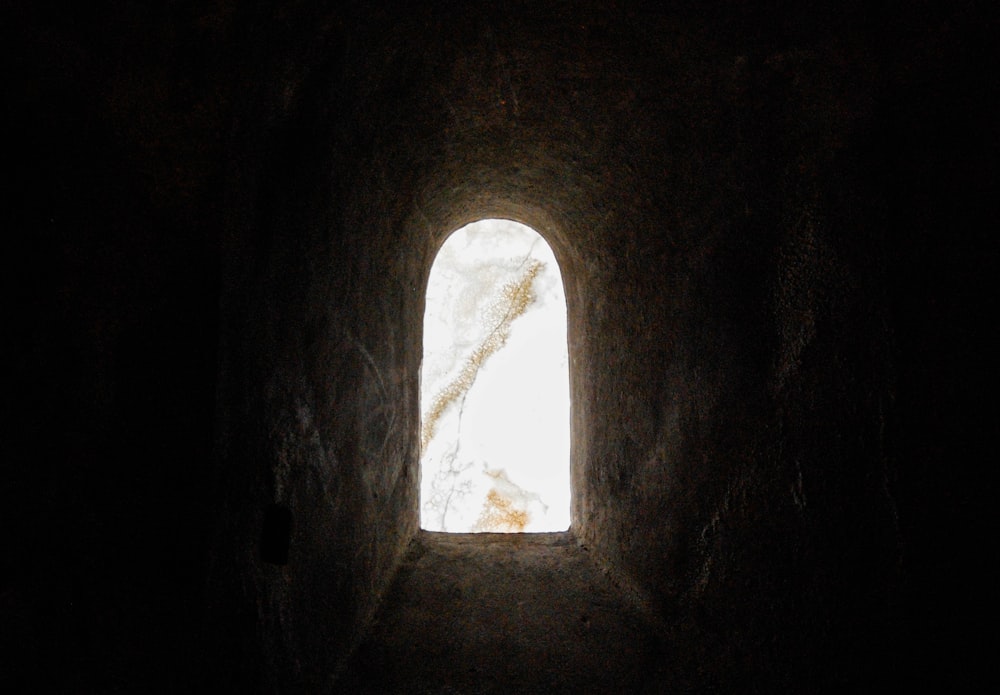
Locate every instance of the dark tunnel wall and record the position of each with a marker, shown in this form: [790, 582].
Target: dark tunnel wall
[766, 222]
[318, 398]
[113, 150]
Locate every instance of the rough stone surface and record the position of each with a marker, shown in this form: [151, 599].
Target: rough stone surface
[774, 223]
[496, 613]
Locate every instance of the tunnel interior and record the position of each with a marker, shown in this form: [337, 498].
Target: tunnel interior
[771, 221]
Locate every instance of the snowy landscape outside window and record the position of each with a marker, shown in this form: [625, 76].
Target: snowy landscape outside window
[494, 394]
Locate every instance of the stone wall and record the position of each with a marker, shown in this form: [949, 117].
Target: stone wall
[230, 215]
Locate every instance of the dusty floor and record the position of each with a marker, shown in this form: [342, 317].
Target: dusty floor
[494, 613]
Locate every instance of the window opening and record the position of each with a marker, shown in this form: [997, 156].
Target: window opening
[494, 395]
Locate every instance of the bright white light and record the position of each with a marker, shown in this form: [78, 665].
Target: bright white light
[494, 395]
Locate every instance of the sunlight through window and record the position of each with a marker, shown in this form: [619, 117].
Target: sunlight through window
[494, 394]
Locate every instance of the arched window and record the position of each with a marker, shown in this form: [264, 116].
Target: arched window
[494, 394]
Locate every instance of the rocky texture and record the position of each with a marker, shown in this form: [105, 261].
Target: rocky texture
[491, 613]
[772, 222]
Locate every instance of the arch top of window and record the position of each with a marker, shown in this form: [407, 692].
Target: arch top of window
[494, 395]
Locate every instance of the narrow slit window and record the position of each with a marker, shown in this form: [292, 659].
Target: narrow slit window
[494, 392]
